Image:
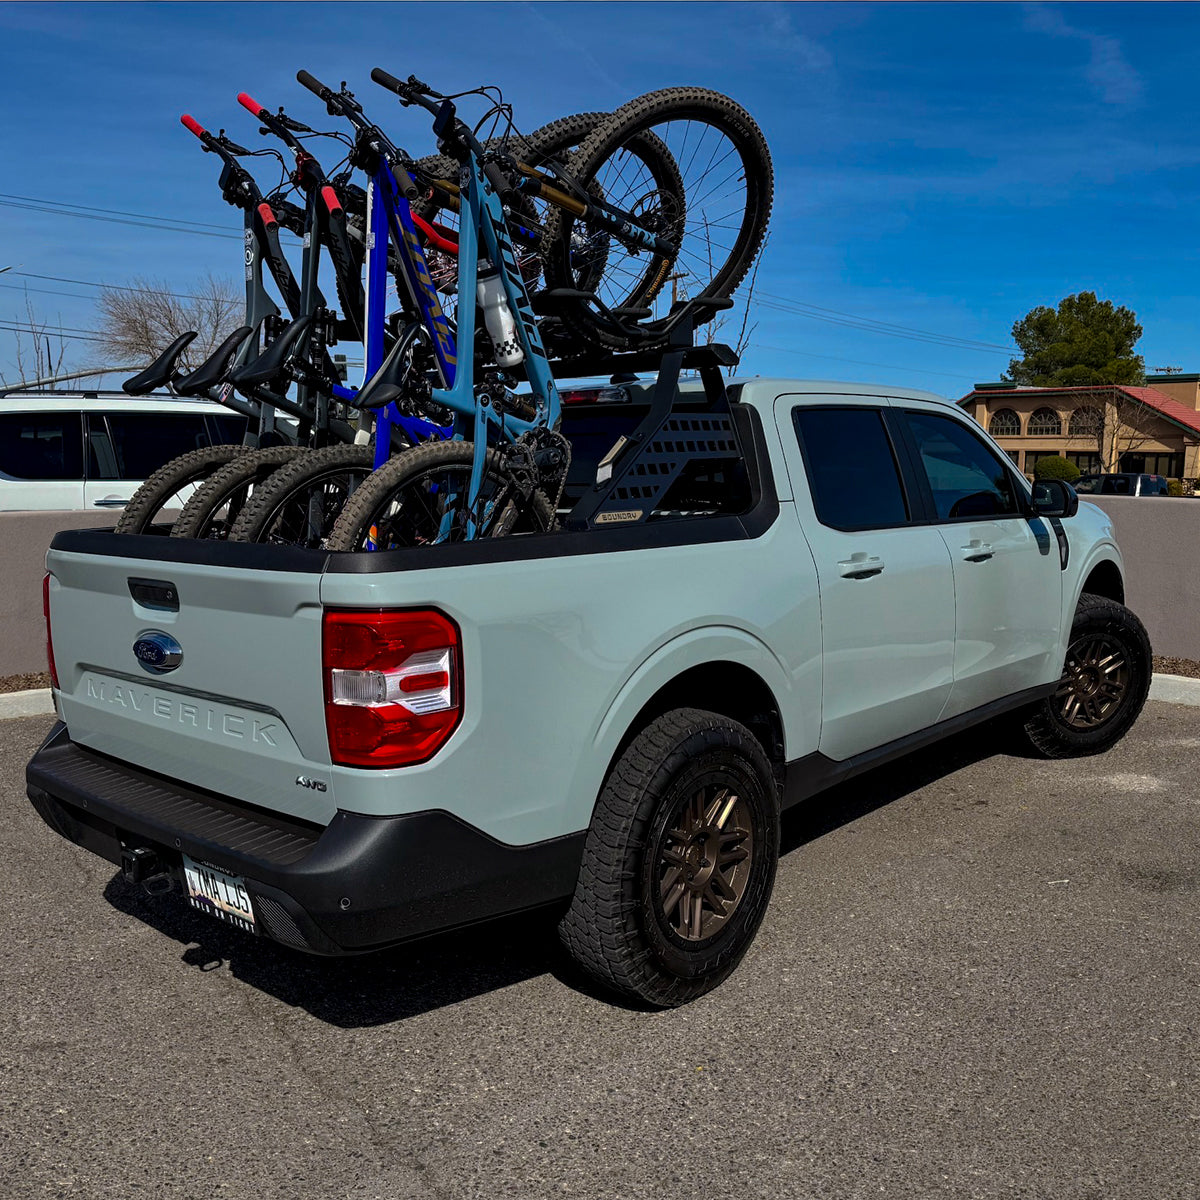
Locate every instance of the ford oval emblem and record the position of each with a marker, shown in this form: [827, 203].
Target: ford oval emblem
[157, 652]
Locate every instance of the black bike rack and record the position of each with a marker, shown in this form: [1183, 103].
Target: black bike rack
[635, 475]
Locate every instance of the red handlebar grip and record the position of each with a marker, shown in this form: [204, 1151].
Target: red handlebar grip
[267, 216]
[193, 125]
[250, 103]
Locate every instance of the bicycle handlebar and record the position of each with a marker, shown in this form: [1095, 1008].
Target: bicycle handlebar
[194, 125]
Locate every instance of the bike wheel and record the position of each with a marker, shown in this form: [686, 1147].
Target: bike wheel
[161, 490]
[419, 499]
[299, 503]
[214, 508]
[728, 188]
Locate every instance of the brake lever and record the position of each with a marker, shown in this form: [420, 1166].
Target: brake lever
[230, 145]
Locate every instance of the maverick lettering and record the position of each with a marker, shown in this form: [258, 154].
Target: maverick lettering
[183, 712]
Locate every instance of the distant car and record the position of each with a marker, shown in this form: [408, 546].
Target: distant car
[83, 450]
[1126, 483]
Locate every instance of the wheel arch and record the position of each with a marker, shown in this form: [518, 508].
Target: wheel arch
[1104, 579]
[721, 669]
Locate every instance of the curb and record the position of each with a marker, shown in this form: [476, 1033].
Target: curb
[1175, 689]
[38, 702]
[1170, 689]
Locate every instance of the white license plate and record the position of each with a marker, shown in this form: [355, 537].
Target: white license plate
[220, 895]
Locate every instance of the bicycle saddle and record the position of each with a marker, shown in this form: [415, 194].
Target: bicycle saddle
[161, 371]
[268, 365]
[211, 372]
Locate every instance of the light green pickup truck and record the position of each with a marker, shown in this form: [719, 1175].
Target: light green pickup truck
[344, 751]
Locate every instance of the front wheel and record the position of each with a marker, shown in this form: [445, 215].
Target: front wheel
[1105, 680]
[679, 860]
[419, 498]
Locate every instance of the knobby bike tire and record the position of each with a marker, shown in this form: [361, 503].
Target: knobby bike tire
[230, 485]
[409, 477]
[266, 517]
[640, 116]
[148, 502]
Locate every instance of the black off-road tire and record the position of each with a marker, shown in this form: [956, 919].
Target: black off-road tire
[232, 484]
[1104, 623]
[196, 466]
[408, 470]
[258, 520]
[615, 929]
[639, 117]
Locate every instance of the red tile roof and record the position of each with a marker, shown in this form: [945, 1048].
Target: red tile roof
[1151, 397]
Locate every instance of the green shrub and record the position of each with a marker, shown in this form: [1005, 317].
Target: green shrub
[1056, 467]
[1174, 487]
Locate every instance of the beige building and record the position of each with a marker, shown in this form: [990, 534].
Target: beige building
[1153, 429]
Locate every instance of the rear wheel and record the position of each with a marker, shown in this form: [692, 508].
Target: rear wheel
[1104, 684]
[160, 492]
[679, 861]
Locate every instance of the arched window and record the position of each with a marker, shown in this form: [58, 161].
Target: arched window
[1004, 423]
[1045, 421]
[1086, 422]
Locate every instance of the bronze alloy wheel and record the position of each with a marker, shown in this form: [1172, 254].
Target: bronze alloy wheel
[704, 862]
[1094, 683]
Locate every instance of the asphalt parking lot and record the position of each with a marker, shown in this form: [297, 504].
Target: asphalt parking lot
[978, 978]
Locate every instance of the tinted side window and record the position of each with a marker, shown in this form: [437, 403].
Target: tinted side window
[41, 445]
[966, 478]
[851, 468]
[143, 442]
[229, 429]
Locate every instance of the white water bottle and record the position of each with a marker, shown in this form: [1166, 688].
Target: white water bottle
[497, 316]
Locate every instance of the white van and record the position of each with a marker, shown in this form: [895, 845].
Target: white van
[84, 450]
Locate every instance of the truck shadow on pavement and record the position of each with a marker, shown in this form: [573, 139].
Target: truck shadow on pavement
[393, 985]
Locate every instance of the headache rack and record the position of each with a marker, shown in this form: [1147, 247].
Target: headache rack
[636, 474]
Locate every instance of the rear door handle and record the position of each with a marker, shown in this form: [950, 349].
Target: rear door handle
[977, 551]
[109, 503]
[860, 566]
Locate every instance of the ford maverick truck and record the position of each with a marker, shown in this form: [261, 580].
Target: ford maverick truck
[343, 751]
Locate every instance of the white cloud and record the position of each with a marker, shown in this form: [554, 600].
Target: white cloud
[778, 30]
[1106, 70]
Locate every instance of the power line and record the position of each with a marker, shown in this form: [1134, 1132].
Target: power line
[73, 337]
[161, 224]
[115, 287]
[870, 325]
[115, 212]
[859, 362]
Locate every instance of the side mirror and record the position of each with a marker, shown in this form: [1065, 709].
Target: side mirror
[1054, 498]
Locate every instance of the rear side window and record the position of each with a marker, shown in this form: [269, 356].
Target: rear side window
[41, 445]
[851, 468]
[966, 478]
[143, 442]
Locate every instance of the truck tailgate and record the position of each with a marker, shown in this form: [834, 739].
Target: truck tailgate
[243, 712]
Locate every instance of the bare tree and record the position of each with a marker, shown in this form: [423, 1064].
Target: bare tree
[40, 348]
[1114, 422]
[723, 319]
[138, 322]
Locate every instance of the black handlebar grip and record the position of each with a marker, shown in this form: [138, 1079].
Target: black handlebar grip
[384, 79]
[313, 84]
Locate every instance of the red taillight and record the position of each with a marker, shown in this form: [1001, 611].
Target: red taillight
[393, 685]
[49, 639]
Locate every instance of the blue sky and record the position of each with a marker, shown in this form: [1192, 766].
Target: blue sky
[938, 167]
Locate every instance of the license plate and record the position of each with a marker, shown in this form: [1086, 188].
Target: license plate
[220, 895]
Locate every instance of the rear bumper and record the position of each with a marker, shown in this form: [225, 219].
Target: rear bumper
[360, 883]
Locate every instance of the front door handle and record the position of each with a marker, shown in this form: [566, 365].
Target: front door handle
[977, 551]
[860, 566]
[109, 503]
